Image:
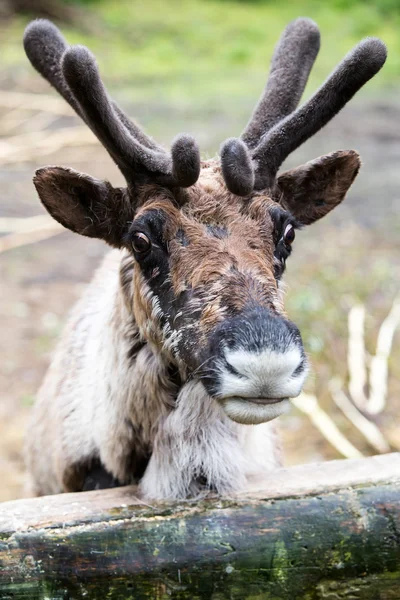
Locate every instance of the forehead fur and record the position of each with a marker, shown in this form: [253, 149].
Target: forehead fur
[208, 202]
[217, 242]
[220, 251]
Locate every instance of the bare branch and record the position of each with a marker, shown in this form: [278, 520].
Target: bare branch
[379, 362]
[28, 147]
[26, 224]
[356, 356]
[368, 429]
[27, 231]
[15, 240]
[29, 101]
[308, 404]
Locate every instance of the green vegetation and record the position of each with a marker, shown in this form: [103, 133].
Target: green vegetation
[202, 54]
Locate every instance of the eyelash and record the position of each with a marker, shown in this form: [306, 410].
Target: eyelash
[282, 252]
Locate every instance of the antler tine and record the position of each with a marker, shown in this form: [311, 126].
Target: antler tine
[292, 61]
[237, 167]
[44, 45]
[358, 67]
[291, 64]
[81, 74]
[74, 74]
[82, 77]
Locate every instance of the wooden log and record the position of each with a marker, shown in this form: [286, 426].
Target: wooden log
[328, 531]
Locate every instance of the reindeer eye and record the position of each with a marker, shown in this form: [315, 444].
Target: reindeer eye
[289, 235]
[140, 243]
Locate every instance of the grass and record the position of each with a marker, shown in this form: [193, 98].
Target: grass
[203, 56]
[207, 42]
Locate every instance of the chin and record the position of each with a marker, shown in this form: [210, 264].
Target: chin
[253, 412]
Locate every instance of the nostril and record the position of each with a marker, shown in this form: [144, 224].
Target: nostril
[231, 369]
[300, 369]
[255, 355]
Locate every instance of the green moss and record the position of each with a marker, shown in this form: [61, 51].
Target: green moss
[280, 563]
[296, 548]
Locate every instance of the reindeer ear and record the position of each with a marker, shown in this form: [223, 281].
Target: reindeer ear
[83, 204]
[312, 190]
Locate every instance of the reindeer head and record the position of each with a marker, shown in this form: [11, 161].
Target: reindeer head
[206, 242]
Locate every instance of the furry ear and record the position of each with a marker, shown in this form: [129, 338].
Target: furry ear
[84, 204]
[312, 190]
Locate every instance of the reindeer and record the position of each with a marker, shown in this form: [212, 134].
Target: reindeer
[180, 354]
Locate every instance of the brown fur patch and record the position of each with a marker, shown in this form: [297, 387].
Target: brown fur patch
[312, 190]
[227, 271]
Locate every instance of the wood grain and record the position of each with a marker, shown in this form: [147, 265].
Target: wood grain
[325, 531]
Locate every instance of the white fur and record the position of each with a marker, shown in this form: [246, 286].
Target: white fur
[264, 374]
[264, 382]
[246, 412]
[94, 401]
[197, 438]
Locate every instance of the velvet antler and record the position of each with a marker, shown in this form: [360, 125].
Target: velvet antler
[291, 64]
[74, 74]
[274, 131]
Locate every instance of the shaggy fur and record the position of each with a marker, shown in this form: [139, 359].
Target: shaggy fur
[105, 396]
[109, 395]
[180, 352]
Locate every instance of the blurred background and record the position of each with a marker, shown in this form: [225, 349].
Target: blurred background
[198, 66]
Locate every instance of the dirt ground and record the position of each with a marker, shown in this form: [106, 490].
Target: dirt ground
[40, 282]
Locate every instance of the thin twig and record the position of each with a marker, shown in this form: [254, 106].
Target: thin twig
[368, 429]
[27, 224]
[15, 240]
[30, 146]
[29, 101]
[356, 356]
[379, 362]
[12, 119]
[308, 404]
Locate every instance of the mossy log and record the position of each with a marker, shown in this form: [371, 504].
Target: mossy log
[326, 531]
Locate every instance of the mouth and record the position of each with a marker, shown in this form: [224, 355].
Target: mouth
[253, 411]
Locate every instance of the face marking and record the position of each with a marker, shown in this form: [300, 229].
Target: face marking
[181, 237]
[218, 232]
[265, 374]
[212, 265]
